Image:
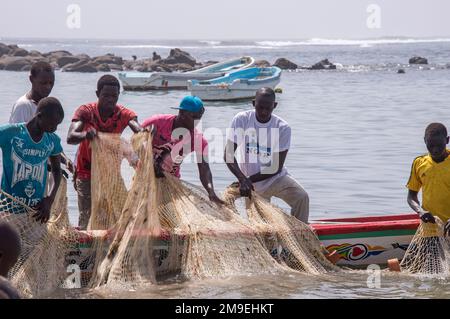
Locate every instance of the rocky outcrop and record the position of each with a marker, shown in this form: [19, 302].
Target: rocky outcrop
[64, 60]
[323, 65]
[57, 54]
[35, 53]
[4, 49]
[108, 59]
[155, 56]
[15, 63]
[285, 64]
[85, 66]
[177, 60]
[177, 56]
[103, 68]
[418, 60]
[83, 56]
[18, 59]
[19, 52]
[115, 67]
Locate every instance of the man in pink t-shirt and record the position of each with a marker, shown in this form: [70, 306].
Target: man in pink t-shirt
[175, 137]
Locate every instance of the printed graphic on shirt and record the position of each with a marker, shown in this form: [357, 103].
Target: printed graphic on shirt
[24, 171]
[28, 170]
[260, 153]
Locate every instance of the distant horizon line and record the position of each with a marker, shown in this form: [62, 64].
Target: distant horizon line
[226, 39]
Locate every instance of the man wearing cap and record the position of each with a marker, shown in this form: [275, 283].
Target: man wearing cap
[175, 137]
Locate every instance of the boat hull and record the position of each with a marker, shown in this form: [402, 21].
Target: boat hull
[161, 81]
[359, 241]
[238, 91]
[237, 85]
[146, 81]
[369, 240]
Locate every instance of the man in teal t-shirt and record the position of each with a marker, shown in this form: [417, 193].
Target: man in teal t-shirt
[26, 148]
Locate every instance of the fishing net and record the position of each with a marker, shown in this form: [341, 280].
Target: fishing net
[41, 267]
[159, 228]
[291, 241]
[217, 242]
[199, 238]
[125, 257]
[429, 252]
[108, 190]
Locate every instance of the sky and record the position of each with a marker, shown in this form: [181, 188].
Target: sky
[224, 19]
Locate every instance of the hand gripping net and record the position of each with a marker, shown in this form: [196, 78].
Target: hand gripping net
[41, 267]
[428, 253]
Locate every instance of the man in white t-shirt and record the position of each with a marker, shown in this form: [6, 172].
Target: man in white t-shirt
[42, 78]
[264, 140]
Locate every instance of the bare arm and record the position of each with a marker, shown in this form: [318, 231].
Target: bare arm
[230, 160]
[207, 181]
[43, 208]
[413, 202]
[135, 126]
[55, 163]
[76, 134]
[278, 162]
[66, 161]
[245, 183]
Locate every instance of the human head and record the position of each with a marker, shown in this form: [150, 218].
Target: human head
[49, 114]
[108, 90]
[264, 104]
[191, 110]
[9, 248]
[436, 139]
[42, 78]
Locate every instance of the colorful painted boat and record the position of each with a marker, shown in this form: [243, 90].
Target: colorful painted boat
[360, 241]
[236, 85]
[144, 81]
[367, 240]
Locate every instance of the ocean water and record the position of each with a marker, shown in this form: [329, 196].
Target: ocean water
[355, 133]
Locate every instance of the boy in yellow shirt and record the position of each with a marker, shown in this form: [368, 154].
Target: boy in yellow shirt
[431, 173]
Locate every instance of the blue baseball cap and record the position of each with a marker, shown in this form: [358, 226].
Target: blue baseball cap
[191, 104]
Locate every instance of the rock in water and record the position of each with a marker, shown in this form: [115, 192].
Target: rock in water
[323, 65]
[418, 60]
[14, 63]
[108, 59]
[64, 60]
[285, 64]
[34, 53]
[57, 54]
[4, 49]
[104, 68]
[156, 57]
[19, 52]
[84, 66]
[178, 56]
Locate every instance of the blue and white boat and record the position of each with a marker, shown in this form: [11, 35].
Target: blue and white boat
[143, 81]
[237, 85]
